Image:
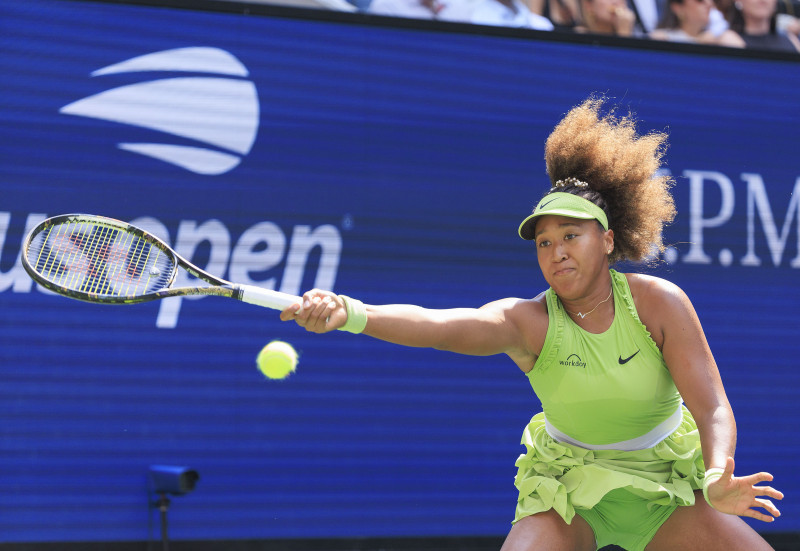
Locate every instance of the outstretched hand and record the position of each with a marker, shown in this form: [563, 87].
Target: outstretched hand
[740, 495]
[320, 312]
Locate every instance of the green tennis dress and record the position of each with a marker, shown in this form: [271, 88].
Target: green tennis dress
[614, 444]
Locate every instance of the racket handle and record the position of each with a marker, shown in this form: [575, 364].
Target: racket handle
[267, 297]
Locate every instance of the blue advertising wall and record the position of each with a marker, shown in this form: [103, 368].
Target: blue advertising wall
[391, 164]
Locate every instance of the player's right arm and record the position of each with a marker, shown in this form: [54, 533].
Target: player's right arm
[508, 326]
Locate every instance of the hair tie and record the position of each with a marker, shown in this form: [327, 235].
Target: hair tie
[569, 182]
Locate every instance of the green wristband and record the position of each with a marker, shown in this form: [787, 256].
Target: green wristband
[712, 475]
[356, 315]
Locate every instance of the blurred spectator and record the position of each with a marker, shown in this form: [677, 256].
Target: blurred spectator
[509, 13]
[789, 16]
[718, 18]
[787, 23]
[647, 13]
[688, 21]
[443, 10]
[756, 23]
[564, 14]
[606, 17]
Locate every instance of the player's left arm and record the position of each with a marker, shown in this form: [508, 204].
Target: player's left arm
[692, 366]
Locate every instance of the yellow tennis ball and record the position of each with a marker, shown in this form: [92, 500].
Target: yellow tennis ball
[277, 360]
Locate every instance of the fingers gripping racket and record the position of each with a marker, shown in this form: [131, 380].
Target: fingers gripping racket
[107, 261]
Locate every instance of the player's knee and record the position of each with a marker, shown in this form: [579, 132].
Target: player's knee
[547, 530]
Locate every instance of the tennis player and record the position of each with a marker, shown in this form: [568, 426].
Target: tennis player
[636, 441]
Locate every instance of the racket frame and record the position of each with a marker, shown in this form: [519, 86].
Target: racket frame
[217, 286]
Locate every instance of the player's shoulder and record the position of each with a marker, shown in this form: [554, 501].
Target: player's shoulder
[524, 308]
[651, 283]
[535, 306]
[529, 320]
[530, 316]
[655, 293]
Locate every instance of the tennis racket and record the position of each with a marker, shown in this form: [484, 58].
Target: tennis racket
[107, 261]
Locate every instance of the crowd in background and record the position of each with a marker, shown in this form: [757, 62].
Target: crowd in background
[758, 24]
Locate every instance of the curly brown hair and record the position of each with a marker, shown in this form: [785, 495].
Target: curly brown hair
[621, 168]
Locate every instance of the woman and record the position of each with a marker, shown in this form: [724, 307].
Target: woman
[606, 17]
[756, 23]
[508, 13]
[564, 14]
[689, 21]
[614, 458]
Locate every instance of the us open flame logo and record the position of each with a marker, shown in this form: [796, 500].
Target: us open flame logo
[220, 112]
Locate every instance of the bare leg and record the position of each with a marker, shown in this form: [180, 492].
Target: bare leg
[702, 528]
[548, 531]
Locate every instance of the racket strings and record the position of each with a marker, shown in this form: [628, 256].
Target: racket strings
[99, 259]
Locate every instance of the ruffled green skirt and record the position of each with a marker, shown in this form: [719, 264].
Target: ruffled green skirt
[552, 475]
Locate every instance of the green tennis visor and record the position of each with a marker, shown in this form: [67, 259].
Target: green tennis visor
[562, 204]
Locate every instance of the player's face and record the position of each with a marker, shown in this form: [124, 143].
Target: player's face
[572, 253]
